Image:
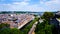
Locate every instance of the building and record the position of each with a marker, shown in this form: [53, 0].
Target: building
[16, 21]
[57, 14]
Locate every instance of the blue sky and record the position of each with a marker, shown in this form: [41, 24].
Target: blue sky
[29, 5]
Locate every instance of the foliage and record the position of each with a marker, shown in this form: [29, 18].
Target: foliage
[9, 31]
[47, 15]
[27, 28]
[2, 25]
[16, 31]
[4, 29]
[44, 28]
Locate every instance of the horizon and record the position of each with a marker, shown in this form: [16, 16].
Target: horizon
[29, 11]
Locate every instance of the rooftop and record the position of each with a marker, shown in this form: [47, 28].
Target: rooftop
[14, 20]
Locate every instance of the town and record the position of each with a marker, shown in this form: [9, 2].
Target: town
[16, 20]
[30, 23]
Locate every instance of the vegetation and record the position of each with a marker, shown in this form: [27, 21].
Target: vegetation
[59, 18]
[27, 28]
[5, 12]
[44, 28]
[9, 31]
[4, 28]
[47, 15]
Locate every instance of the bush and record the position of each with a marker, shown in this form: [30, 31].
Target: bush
[47, 15]
[9, 31]
[44, 28]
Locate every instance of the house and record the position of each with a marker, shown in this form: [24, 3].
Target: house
[57, 14]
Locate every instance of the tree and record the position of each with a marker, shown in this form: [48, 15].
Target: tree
[10, 31]
[47, 15]
[44, 28]
[2, 25]
[48, 29]
[5, 31]
[15, 31]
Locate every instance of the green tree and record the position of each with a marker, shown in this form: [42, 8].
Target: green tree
[47, 15]
[10, 31]
[15, 31]
[48, 29]
[44, 28]
[2, 25]
[5, 31]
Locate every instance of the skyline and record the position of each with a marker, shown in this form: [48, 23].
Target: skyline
[29, 5]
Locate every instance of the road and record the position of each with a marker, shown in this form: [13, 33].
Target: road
[33, 28]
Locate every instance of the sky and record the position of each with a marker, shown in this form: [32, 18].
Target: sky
[29, 5]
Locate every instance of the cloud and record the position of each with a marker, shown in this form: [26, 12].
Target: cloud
[27, 0]
[53, 2]
[20, 3]
[16, 0]
[52, 5]
[20, 7]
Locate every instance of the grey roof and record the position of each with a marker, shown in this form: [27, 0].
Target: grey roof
[58, 13]
[18, 21]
